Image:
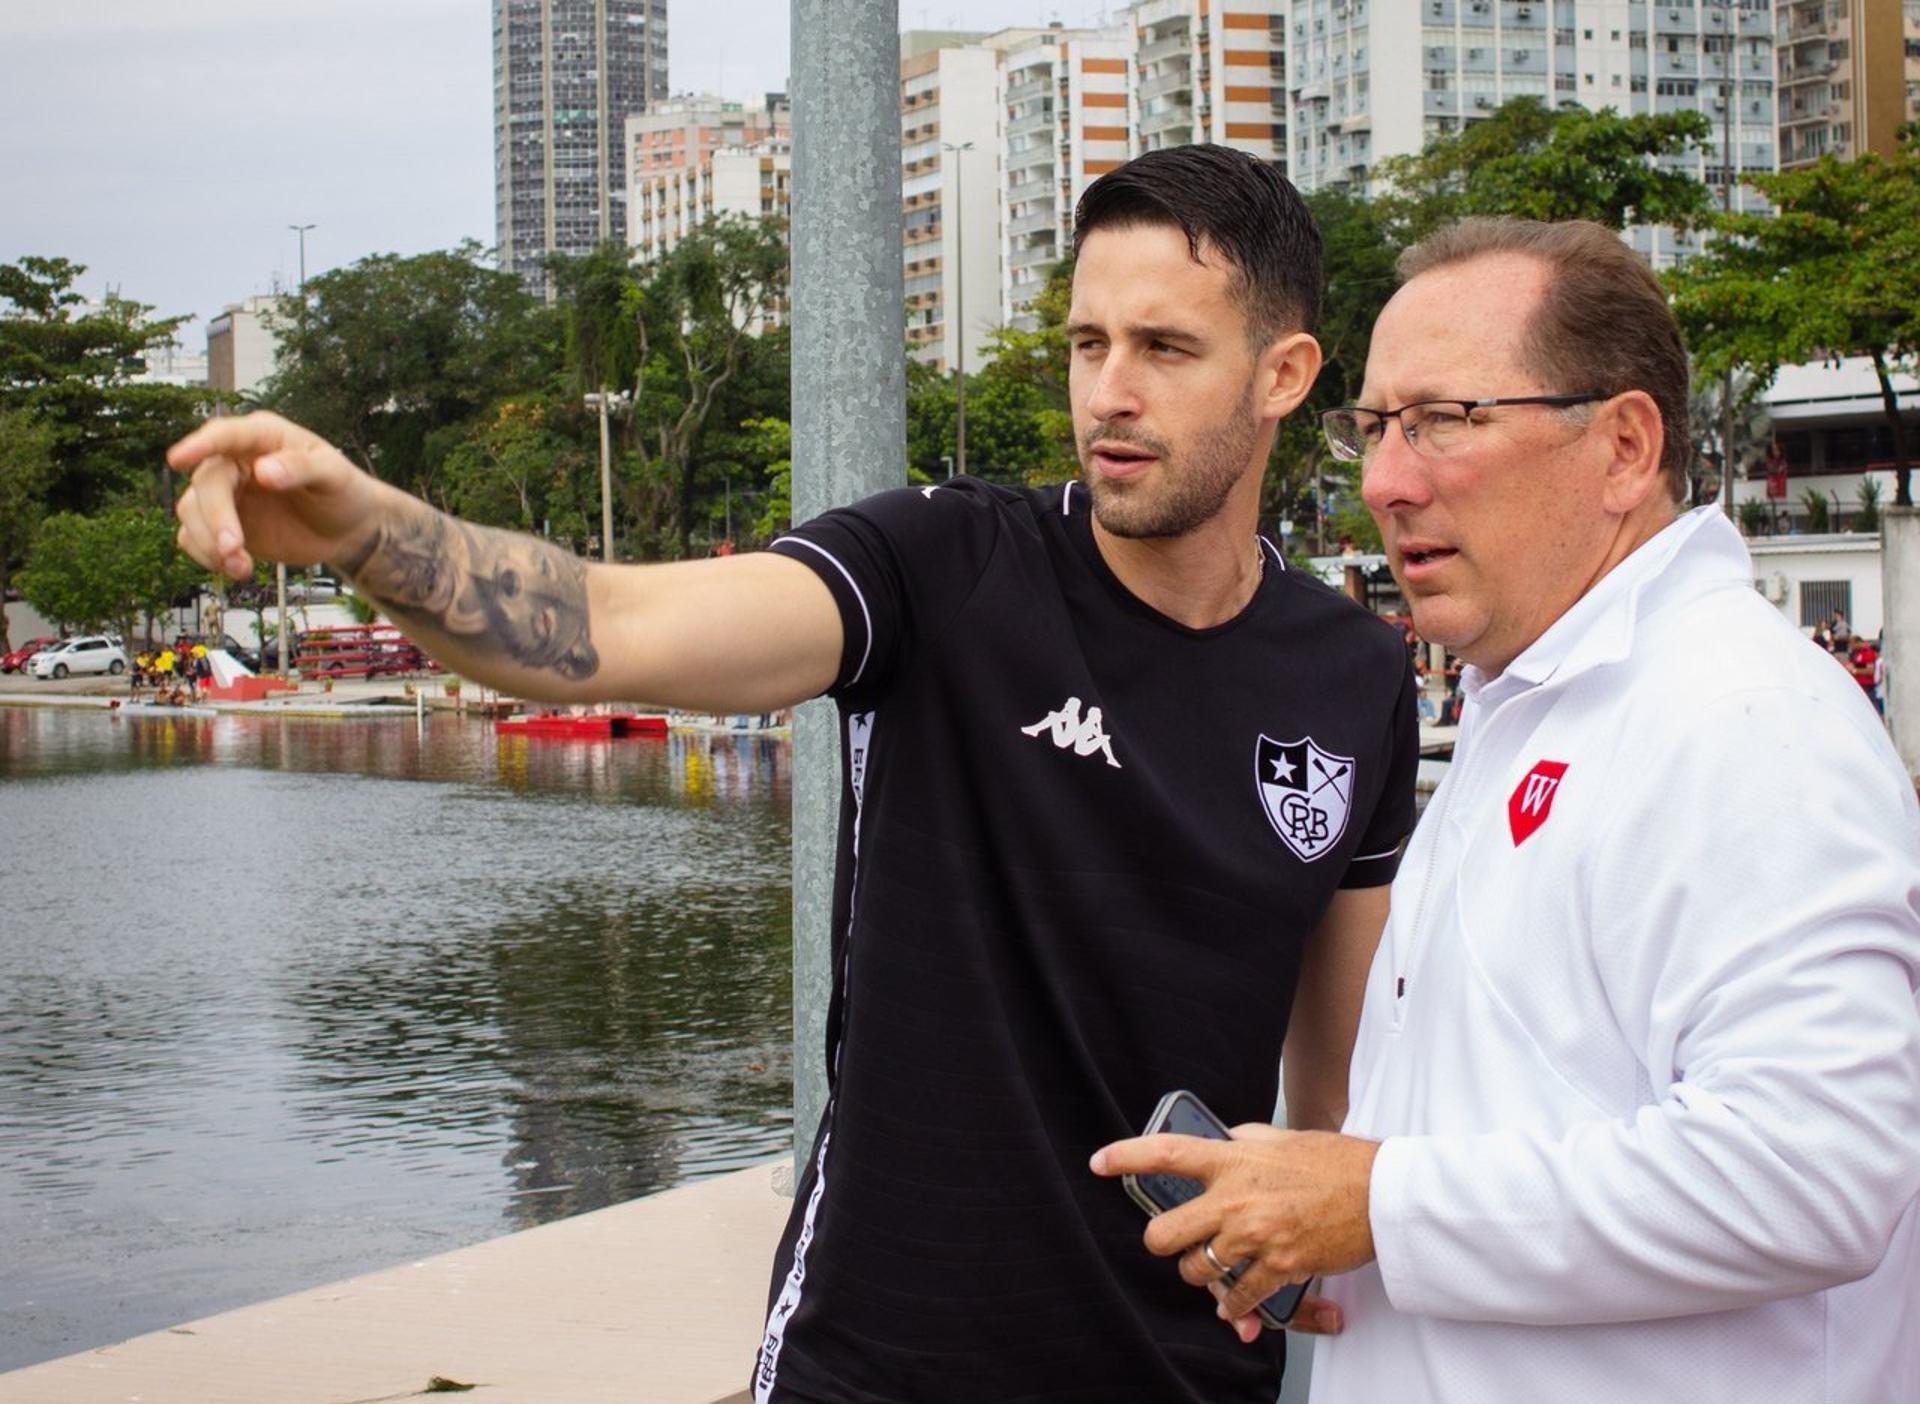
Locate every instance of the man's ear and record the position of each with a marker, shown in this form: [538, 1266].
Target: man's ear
[1634, 439]
[1286, 372]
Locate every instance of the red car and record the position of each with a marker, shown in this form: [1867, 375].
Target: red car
[17, 660]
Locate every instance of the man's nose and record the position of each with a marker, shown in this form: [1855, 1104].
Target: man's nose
[1393, 474]
[1115, 394]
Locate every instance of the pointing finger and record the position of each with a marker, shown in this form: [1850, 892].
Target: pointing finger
[242, 438]
[1191, 1156]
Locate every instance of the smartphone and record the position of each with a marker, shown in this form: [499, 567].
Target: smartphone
[1183, 1114]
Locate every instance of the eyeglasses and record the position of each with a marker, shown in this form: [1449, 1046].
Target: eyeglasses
[1435, 428]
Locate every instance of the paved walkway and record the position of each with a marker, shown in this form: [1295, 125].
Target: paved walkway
[659, 1300]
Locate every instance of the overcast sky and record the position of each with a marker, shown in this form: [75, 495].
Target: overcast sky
[168, 144]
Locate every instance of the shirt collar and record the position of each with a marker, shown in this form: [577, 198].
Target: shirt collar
[1696, 548]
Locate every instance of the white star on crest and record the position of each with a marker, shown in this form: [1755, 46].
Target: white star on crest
[1283, 770]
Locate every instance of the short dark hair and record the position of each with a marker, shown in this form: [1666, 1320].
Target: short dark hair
[1229, 201]
[1603, 322]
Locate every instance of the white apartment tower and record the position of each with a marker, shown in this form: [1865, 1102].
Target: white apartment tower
[1365, 83]
[950, 156]
[1211, 71]
[1066, 97]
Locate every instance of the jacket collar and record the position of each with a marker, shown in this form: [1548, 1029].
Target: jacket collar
[1695, 551]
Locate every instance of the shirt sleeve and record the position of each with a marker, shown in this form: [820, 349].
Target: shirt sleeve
[1756, 924]
[899, 566]
[1377, 856]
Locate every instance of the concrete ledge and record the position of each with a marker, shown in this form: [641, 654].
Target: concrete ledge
[660, 1299]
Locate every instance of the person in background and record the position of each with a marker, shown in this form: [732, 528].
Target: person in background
[1635, 1100]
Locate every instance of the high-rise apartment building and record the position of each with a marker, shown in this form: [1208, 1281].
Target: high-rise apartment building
[1849, 76]
[950, 157]
[679, 131]
[1211, 70]
[1366, 84]
[1066, 123]
[243, 350]
[566, 75]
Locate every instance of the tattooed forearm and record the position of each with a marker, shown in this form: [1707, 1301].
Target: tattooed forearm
[497, 592]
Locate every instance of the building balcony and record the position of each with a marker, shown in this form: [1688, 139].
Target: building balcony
[1178, 81]
[1032, 122]
[1034, 255]
[1028, 88]
[1033, 223]
[1180, 43]
[1041, 153]
[1177, 117]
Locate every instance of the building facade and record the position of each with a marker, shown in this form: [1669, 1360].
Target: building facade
[1849, 76]
[1067, 99]
[566, 75]
[678, 131]
[242, 348]
[1211, 71]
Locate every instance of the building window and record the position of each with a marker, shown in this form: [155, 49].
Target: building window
[1820, 598]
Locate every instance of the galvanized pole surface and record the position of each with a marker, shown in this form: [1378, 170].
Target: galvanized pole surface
[1727, 459]
[849, 410]
[606, 480]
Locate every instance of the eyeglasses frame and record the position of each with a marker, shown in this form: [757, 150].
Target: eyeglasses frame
[1587, 397]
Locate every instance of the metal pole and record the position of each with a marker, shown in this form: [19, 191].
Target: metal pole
[959, 309]
[280, 567]
[849, 410]
[606, 481]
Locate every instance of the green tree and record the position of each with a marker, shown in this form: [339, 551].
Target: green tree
[1030, 414]
[774, 437]
[515, 466]
[108, 569]
[694, 317]
[391, 358]
[71, 364]
[1835, 271]
[731, 456]
[26, 471]
[1535, 162]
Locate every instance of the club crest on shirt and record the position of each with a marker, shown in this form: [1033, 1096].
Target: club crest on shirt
[1306, 791]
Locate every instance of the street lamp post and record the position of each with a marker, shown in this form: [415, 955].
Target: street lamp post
[607, 401]
[1732, 163]
[280, 567]
[959, 310]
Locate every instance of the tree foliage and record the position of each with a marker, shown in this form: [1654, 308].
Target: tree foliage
[107, 569]
[71, 364]
[391, 357]
[26, 471]
[1535, 162]
[1835, 271]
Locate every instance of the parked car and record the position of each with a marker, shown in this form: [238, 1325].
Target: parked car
[316, 587]
[241, 654]
[90, 653]
[16, 662]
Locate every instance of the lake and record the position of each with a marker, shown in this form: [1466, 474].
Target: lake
[284, 1000]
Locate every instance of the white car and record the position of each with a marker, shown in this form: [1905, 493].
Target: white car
[91, 653]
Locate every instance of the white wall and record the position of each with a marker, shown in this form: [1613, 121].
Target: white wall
[1781, 565]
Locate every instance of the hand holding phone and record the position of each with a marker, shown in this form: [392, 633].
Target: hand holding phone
[1183, 1114]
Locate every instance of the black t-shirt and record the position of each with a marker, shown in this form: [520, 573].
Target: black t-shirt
[1081, 846]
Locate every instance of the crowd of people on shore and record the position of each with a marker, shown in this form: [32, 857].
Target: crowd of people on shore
[175, 673]
[1862, 657]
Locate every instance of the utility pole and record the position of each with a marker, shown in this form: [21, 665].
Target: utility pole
[606, 401]
[849, 412]
[959, 310]
[280, 567]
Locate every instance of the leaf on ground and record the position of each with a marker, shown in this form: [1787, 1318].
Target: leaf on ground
[440, 1384]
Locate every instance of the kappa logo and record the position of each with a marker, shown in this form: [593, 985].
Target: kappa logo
[1306, 791]
[1084, 735]
[1532, 799]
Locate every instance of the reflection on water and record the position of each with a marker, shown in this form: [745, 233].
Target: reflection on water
[282, 1000]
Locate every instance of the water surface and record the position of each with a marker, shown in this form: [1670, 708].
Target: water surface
[283, 1000]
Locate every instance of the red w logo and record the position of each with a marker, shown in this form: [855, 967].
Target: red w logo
[1532, 799]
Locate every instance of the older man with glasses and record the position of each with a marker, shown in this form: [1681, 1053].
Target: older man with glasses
[1635, 1099]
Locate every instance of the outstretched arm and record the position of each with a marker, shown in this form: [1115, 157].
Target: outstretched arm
[747, 633]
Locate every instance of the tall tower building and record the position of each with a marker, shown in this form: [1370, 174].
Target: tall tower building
[1212, 71]
[566, 75]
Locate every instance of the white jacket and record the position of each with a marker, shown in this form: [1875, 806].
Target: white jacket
[1650, 1092]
